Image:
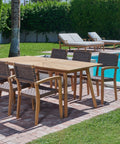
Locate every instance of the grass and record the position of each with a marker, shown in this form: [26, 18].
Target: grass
[28, 48]
[31, 49]
[103, 129]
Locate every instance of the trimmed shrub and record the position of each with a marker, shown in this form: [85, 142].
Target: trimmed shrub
[47, 16]
[102, 16]
[0, 13]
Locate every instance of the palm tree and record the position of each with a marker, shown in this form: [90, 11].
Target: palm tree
[15, 35]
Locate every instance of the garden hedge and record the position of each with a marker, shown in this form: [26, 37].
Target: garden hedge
[47, 16]
[0, 11]
[102, 16]
[81, 16]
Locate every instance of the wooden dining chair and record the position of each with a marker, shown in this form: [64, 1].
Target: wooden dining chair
[58, 54]
[84, 56]
[26, 74]
[108, 61]
[8, 84]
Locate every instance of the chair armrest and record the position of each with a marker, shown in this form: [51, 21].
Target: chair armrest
[48, 79]
[65, 41]
[109, 67]
[103, 38]
[95, 39]
[11, 77]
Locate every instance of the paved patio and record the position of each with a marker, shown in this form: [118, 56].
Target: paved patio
[21, 131]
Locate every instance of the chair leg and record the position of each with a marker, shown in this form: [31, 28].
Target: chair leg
[115, 89]
[37, 105]
[75, 82]
[56, 81]
[88, 92]
[50, 75]
[97, 86]
[18, 105]
[72, 84]
[60, 98]
[80, 90]
[0, 93]
[10, 102]
[14, 98]
[33, 104]
[37, 75]
[114, 46]
[102, 87]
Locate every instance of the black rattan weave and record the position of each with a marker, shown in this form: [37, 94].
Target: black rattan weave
[79, 55]
[4, 70]
[25, 73]
[108, 59]
[59, 53]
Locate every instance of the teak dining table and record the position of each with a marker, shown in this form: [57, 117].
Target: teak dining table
[59, 66]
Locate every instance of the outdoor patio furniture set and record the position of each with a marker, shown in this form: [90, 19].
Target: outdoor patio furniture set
[24, 77]
[74, 40]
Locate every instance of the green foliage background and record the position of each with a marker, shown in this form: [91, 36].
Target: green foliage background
[47, 16]
[81, 16]
[0, 12]
[102, 16]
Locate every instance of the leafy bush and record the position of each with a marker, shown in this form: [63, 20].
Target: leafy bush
[5, 24]
[0, 12]
[102, 16]
[81, 16]
[47, 16]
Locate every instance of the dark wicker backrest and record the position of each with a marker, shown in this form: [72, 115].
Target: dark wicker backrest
[25, 73]
[59, 53]
[4, 70]
[82, 55]
[108, 59]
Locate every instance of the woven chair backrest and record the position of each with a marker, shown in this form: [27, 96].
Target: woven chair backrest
[25, 73]
[79, 55]
[59, 54]
[4, 70]
[108, 59]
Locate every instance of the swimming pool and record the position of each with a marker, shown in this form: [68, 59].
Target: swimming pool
[110, 72]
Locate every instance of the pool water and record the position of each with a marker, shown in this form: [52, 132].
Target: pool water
[108, 73]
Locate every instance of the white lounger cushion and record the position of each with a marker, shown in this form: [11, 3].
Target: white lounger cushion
[111, 41]
[70, 37]
[74, 39]
[85, 43]
[96, 37]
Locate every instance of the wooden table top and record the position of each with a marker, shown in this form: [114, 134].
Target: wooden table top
[51, 64]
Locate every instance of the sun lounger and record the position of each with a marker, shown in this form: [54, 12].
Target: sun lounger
[74, 40]
[95, 37]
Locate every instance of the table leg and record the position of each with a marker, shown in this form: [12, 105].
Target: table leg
[75, 82]
[65, 95]
[91, 87]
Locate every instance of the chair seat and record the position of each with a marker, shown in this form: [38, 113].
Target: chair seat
[2, 80]
[44, 91]
[5, 86]
[98, 78]
[78, 74]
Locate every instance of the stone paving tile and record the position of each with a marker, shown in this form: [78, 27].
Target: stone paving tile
[22, 130]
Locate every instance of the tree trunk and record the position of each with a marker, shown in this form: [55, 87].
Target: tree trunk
[15, 35]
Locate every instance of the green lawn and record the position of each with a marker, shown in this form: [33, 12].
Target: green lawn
[28, 48]
[103, 129]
